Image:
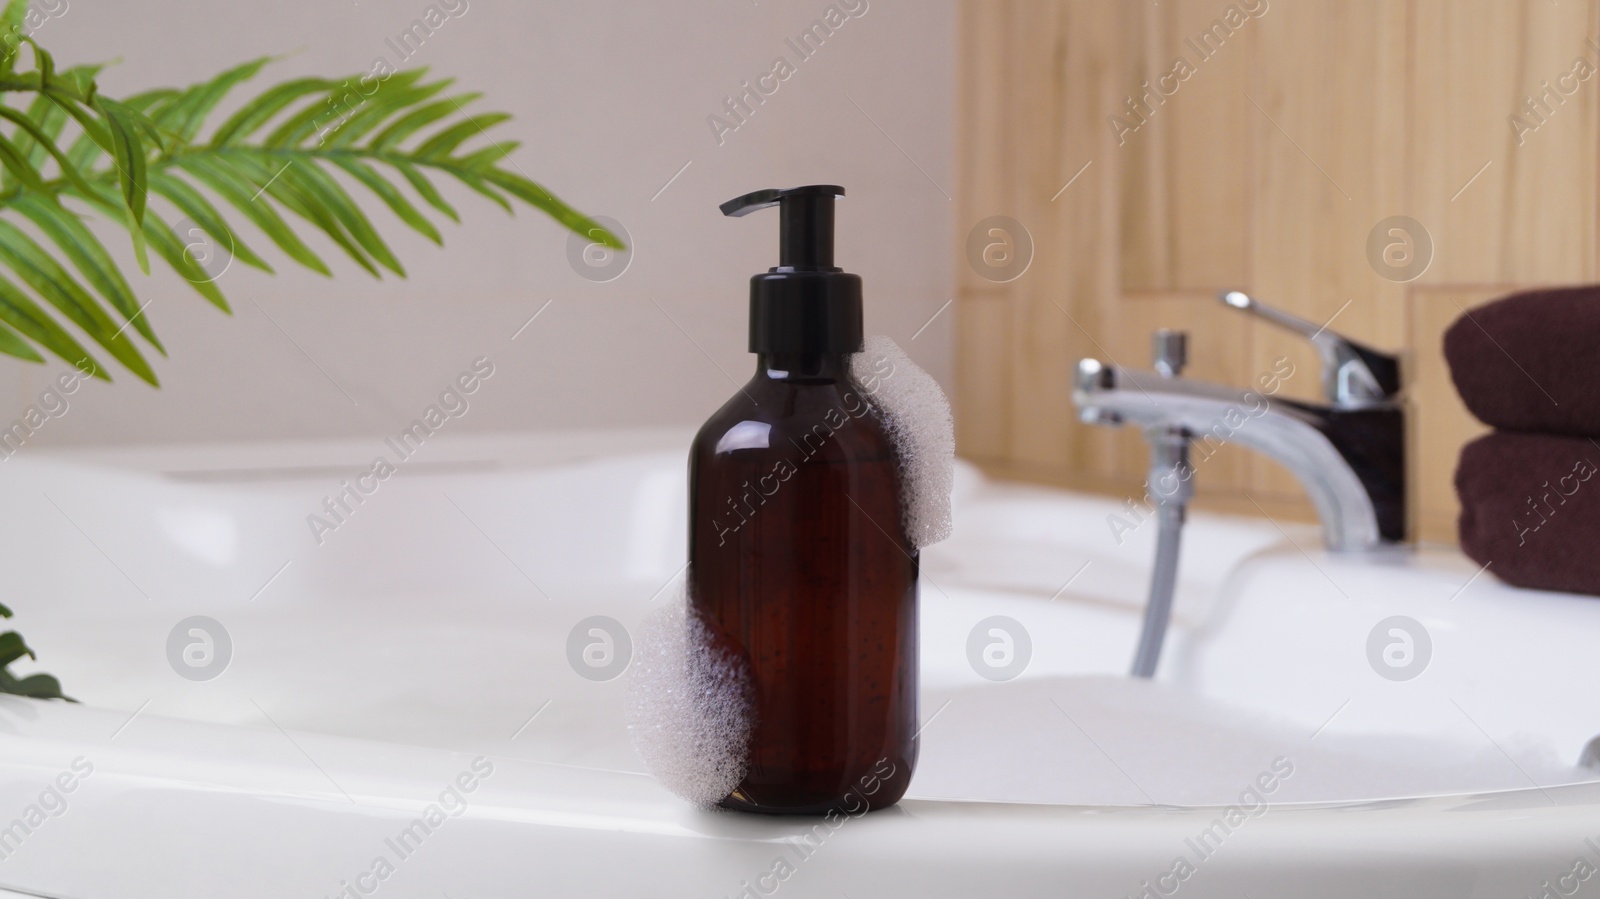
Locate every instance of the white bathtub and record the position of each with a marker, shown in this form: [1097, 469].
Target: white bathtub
[424, 644]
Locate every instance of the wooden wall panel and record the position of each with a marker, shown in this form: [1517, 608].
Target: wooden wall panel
[983, 381]
[1504, 209]
[1298, 131]
[1050, 41]
[1186, 173]
[983, 312]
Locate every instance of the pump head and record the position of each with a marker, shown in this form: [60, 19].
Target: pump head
[804, 304]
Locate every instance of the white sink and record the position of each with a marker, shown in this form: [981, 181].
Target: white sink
[425, 640]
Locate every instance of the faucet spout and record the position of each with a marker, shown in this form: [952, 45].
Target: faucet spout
[1348, 461]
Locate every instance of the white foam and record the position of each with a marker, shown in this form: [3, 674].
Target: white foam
[689, 709]
[916, 416]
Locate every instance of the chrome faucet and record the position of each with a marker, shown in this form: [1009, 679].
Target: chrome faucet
[1348, 452]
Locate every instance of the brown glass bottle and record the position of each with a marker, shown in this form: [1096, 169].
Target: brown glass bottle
[798, 560]
[799, 565]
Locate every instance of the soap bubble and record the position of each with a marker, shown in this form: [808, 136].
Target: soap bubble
[916, 417]
[689, 706]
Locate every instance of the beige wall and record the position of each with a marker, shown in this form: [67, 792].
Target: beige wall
[611, 101]
[1276, 154]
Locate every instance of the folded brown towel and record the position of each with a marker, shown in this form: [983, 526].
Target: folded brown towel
[1530, 509]
[1531, 361]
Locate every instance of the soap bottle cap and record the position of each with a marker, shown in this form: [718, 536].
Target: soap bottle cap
[804, 304]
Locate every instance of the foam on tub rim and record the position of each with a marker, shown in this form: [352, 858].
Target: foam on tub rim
[689, 709]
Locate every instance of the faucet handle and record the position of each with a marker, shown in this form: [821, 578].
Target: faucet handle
[1353, 374]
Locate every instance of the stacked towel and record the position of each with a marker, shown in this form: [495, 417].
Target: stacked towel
[1531, 361]
[1528, 365]
[1530, 505]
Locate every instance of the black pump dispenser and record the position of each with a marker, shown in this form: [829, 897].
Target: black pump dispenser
[804, 304]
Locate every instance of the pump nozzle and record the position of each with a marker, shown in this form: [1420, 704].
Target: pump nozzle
[804, 304]
[805, 224]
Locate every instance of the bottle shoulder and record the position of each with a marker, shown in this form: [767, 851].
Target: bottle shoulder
[831, 420]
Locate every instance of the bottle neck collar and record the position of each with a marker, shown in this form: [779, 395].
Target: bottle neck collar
[807, 366]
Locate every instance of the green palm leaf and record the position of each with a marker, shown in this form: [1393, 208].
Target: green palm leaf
[198, 209]
[13, 344]
[18, 310]
[309, 155]
[80, 246]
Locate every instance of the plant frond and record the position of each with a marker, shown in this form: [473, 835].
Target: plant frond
[198, 209]
[49, 280]
[186, 114]
[283, 162]
[80, 246]
[13, 344]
